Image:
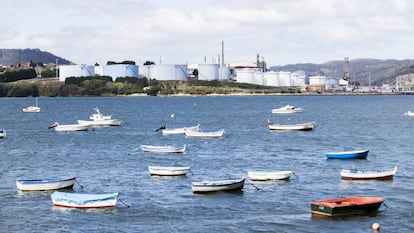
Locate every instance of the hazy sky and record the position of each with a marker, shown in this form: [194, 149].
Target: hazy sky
[188, 31]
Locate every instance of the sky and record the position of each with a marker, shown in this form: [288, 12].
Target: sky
[191, 31]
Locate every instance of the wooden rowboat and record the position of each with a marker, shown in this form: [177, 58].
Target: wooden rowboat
[356, 154]
[168, 171]
[180, 130]
[355, 174]
[78, 200]
[346, 206]
[45, 183]
[308, 126]
[269, 175]
[217, 185]
[198, 134]
[164, 149]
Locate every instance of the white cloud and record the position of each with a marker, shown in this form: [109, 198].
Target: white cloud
[178, 31]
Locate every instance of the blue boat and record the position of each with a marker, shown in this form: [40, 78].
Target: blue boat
[355, 154]
[80, 200]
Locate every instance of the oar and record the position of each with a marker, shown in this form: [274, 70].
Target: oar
[295, 175]
[191, 172]
[123, 203]
[79, 184]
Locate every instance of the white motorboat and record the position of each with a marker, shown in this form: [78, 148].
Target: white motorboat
[98, 119]
[74, 127]
[287, 109]
[409, 113]
[168, 171]
[98, 115]
[269, 175]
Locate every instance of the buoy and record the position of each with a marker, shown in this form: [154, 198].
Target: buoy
[172, 115]
[376, 226]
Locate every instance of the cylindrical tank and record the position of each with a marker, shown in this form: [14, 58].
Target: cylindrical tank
[208, 71]
[224, 73]
[245, 75]
[99, 70]
[66, 71]
[285, 79]
[317, 80]
[168, 72]
[271, 78]
[120, 70]
[258, 78]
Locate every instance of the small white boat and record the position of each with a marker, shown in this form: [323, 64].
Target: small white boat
[409, 113]
[3, 133]
[293, 127]
[200, 134]
[98, 119]
[98, 115]
[217, 185]
[287, 109]
[269, 175]
[79, 200]
[105, 122]
[74, 127]
[32, 108]
[195, 128]
[355, 174]
[164, 149]
[168, 171]
[45, 183]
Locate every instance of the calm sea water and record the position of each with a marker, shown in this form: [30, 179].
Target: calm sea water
[109, 160]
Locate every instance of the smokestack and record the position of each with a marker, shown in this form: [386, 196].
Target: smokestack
[222, 53]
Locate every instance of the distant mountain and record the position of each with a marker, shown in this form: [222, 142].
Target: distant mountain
[9, 57]
[360, 70]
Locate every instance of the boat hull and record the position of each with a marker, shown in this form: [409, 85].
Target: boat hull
[107, 122]
[195, 128]
[362, 154]
[163, 149]
[269, 175]
[346, 206]
[31, 109]
[196, 134]
[61, 128]
[75, 200]
[295, 127]
[367, 175]
[214, 186]
[45, 184]
[3, 133]
[168, 171]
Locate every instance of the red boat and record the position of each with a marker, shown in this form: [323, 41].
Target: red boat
[346, 206]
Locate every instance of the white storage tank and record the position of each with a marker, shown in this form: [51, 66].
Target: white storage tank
[331, 82]
[245, 75]
[66, 71]
[120, 70]
[208, 71]
[167, 72]
[299, 78]
[98, 70]
[317, 80]
[285, 79]
[258, 78]
[224, 73]
[271, 78]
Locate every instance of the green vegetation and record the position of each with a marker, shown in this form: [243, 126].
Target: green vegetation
[104, 86]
